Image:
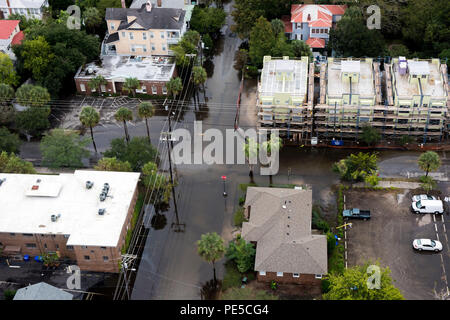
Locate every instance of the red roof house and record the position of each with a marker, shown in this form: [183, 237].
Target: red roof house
[10, 34]
[7, 28]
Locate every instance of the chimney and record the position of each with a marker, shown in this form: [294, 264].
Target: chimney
[123, 4]
[148, 6]
[159, 2]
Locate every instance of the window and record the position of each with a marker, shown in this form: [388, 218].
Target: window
[164, 90]
[12, 234]
[131, 36]
[103, 248]
[123, 34]
[151, 34]
[279, 274]
[133, 49]
[326, 30]
[83, 247]
[296, 275]
[153, 47]
[144, 48]
[164, 48]
[57, 246]
[105, 258]
[69, 247]
[112, 26]
[103, 88]
[318, 276]
[313, 30]
[31, 245]
[262, 273]
[82, 87]
[87, 258]
[27, 234]
[154, 90]
[162, 34]
[45, 245]
[66, 236]
[144, 35]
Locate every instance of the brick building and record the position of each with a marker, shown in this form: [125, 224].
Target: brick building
[153, 74]
[61, 214]
[279, 224]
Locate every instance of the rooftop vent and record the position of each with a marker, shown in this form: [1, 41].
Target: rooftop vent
[35, 187]
[101, 212]
[89, 184]
[2, 180]
[54, 217]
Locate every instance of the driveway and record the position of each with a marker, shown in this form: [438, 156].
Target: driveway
[387, 237]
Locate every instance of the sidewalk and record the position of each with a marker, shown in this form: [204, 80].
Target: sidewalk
[392, 184]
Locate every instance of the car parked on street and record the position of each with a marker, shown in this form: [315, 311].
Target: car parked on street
[422, 197]
[427, 245]
[355, 213]
[428, 206]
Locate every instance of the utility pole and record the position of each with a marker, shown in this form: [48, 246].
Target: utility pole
[126, 259]
[167, 136]
[224, 179]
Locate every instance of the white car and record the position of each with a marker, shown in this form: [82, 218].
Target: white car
[427, 245]
[428, 206]
[422, 197]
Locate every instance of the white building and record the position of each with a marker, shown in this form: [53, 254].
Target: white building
[32, 9]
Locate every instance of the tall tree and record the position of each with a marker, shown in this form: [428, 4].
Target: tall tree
[89, 117]
[37, 56]
[301, 49]
[63, 148]
[92, 18]
[351, 37]
[242, 253]
[370, 135]
[124, 114]
[277, 27]
[174, 86]
[96, 83]
[262, 40]
[33, 121]
[33, 96]
[429, 161]
[10, 163]
[130, 85]
[8, 74]
[199, 76]
[356, 167]
[245, 13]
[137, 152]
[207, 20]
[6, 94]
[9, 142]
[211, 248]
[145, 111]
[251, 148]
[274, 144]
[353, 285]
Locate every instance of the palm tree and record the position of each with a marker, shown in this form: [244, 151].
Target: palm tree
[251, 148]
[89, 117]
[96, 83]
[199, 76]
[130, 85]
[174, 86]
[273, 145]
[145, 111]
[211, 248]
[429, 161]
[124, 114]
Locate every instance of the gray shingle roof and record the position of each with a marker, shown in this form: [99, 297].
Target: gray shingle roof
[157, 18]
[283, 235]
[42, 291]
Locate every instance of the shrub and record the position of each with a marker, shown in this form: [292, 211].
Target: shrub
[325, 284]
[239, 217]
[9, 294]
[331, 242]
[317, 221]
[232, 277]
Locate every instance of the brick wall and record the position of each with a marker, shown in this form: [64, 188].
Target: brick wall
[288, 278]
[57, 243]
[118, 86]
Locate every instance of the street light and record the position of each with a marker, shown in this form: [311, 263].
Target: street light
[224, 178]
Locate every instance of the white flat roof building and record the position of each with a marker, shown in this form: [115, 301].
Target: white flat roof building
[28, 201]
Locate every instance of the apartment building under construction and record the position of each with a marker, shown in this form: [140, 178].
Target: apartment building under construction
[409, 98]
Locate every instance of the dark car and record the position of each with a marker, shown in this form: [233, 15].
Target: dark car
[355, 213]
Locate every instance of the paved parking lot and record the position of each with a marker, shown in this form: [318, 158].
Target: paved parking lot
[387, 237]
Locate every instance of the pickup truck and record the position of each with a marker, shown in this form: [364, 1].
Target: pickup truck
[355, 213]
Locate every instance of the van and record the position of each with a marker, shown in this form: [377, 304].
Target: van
[428, 206]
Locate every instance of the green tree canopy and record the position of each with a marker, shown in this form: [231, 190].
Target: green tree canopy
[6, 94]
[34, 120]
[138, 152]
[211, 248]
[242, 253]
[61, 148]
[262, 41]
[92, 18]
[37, 55]
[124, 114]
[351, 37]
[429, 161]
[353, 285]
[207, 20]
[174, 86]
[9, 142]
[96, 82]
[301, 49]
[370, 135]
[112, 164]
[33, 96]
[10, 163]
[356, 167]
[277, 27]
[158, 183]
[130, 85]
[8, 74]
[199, 75]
